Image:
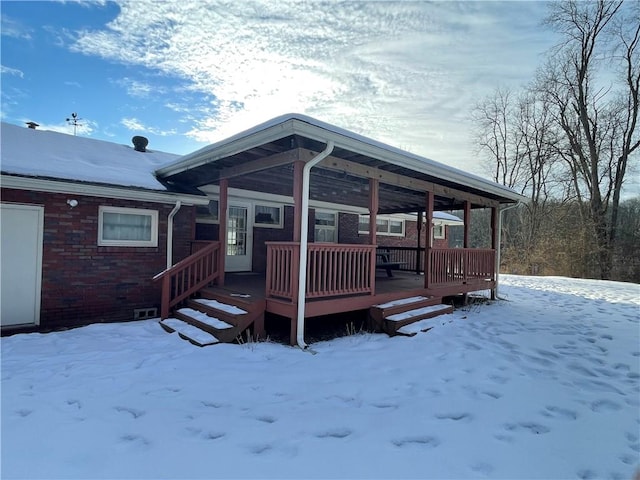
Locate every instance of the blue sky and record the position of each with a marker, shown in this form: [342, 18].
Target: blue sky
[186, 74]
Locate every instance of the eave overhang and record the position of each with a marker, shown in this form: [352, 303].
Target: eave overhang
[298, 131]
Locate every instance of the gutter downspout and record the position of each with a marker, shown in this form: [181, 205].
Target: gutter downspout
[170, 233]
[500, 246]
[304, 236]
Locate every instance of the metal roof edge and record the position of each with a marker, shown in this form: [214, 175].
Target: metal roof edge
[271, 130]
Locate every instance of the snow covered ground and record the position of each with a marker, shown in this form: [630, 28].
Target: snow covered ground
[543, 385]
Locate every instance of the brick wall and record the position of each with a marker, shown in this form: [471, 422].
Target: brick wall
[83, 283]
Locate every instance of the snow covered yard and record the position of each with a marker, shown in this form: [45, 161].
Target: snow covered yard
[543, 385]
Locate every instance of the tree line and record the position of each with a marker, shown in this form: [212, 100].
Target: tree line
[569, 142]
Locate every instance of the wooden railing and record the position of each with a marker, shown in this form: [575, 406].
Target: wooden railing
[188, 276]
[459, 265]
[332, 270]
[411, 259]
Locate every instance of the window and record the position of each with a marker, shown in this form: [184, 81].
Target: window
[326, 227]
[438, 231]
[363, 224]
[207, 213]
[384, 226]
[268, 216]
[127, 227]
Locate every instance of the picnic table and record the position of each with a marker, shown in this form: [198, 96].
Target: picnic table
[384, 261]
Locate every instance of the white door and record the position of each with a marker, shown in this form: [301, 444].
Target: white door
[239, 238]
[21, 229]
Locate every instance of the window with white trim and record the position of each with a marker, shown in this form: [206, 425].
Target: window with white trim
[326, 227]
[384, 226]
[207, 213]
[438, 231]
[127, 227]
[269, 216]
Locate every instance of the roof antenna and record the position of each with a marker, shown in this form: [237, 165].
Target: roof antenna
[74, 121]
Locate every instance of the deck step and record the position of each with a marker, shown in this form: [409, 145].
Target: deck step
[221, 329]
[401, 301]
[232, 314]
[413, 328]
[398, 321]
[215, 304]
[189, 332]
[223, 295]
[379, 313]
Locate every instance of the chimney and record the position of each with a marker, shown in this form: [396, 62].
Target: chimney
[32, 125]
[140, 143]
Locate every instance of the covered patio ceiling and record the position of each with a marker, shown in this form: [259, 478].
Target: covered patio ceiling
[261, 160]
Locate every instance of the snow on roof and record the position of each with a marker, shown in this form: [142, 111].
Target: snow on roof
[42, 153]
[446, 219]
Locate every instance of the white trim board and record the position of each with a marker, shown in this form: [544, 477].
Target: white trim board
[122, 193]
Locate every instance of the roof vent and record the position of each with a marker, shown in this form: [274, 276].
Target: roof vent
[32, 125]
[140, 143]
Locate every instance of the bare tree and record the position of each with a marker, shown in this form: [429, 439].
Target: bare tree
[596, 110]
[517, 137]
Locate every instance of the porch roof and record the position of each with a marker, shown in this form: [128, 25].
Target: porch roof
[261, 159]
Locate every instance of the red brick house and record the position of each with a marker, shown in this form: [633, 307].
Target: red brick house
[68, 256]
[274, 220]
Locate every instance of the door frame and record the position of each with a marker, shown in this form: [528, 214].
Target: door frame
[248, 266]
[39, 209]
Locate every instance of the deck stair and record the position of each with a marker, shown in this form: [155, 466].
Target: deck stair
[189, 332]
[216, 316]
[400, 317]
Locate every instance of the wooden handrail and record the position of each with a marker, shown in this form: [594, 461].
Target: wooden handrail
[458, 265]
[332, 270]
[188, 276]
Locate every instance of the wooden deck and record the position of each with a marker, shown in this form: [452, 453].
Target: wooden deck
[340, 279]
[401, 285]
[251, 287]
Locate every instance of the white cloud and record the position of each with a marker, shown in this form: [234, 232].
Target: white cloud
[136, 125]
[12, 28]
[405, 73]
[136, 88]
[11, 71]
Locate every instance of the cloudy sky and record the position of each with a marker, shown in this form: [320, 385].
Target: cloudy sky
[188, 73]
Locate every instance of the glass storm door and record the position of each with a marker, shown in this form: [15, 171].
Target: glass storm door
[239, 239]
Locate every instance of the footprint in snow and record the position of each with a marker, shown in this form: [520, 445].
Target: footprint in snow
[134, 439]
[632, 437]
[421, 441]
[213, 435]
[530, 427]
[586, 474]
[260, 449]
[266, 419]
[482, 468]
[24, 412]
[581, 370]
[384, 406]
[559, 412]
[465, 417]
[504, 438]
[605, 405]
[499, 379]
[628, 459]
[131, 411]
[336, 433]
